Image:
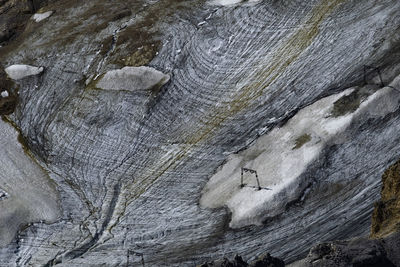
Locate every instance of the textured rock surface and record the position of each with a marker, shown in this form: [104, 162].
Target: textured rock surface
[130, 167]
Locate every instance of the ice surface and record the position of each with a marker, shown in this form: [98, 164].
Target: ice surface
[18, 71]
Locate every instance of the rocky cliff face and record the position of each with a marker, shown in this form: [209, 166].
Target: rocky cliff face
[145, 168]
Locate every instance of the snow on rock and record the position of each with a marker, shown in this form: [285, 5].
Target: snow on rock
[4, 94]
[41, 16]
[280, 158]
[19, 71]
[27, 194]
[133, 79]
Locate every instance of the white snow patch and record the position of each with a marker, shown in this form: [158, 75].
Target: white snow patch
[27, 194]
[132, 79]
[41, 16]
[17, 72]
[4, 94]
[278, 164]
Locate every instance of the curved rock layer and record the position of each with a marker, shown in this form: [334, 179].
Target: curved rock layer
[130, 165]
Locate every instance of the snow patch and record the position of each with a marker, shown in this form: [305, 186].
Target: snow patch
[27, 194]
[280, 160]
[41, 16]
[133, 79]
[17, 72]
[4, 94]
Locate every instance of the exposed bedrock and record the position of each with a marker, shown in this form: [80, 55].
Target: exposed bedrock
[131, 166]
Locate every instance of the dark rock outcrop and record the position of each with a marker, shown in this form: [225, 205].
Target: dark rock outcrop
[263, 261]
[359, 252]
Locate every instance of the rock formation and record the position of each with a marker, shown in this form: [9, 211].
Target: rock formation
[127, 175]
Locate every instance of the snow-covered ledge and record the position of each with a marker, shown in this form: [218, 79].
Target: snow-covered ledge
[19, 71]
[281, 157]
